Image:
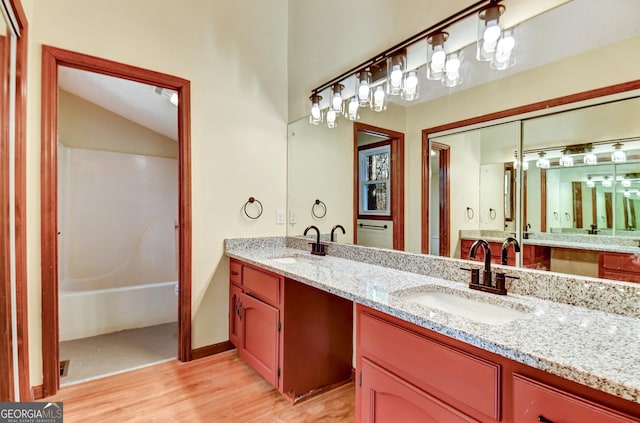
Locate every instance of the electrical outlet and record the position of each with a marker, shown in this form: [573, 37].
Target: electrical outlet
[292, 216]
[280, 217]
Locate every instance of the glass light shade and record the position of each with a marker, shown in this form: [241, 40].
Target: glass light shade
[336, 98]
[618, 155]
[525, 165]
[590, 158]
[452, 77]
[332, 118]
[410, 86]
[626, 194]
[379, 100]
[489, 32]
[503, 57]
[590, 182]
[543, 162]
[436, 56]
[352, 109]
[566, 160]
[396, 66]
[607, 182]
[315, 114]
[626, 182]
[364, 88]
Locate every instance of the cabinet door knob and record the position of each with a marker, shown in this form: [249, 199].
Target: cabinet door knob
[543, 419]
[234, 273]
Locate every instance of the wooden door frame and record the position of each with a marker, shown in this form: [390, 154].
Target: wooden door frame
[445, 195]
[397, 180]
[52, 58]
[528, 108]
[20, 28]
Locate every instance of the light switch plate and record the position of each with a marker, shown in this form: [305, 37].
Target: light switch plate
[292, 217]
[280, 217]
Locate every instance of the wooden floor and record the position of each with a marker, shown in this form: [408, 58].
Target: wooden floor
[220, 388]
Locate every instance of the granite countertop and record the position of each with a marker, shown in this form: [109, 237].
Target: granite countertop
[591, 347]
[583, 246]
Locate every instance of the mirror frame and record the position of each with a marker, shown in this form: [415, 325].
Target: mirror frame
[19, 263]
[508, 113]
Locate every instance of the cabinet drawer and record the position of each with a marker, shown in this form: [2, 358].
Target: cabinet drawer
[446, 372]
[235, 272]
[620, 262]
[261, 284]
[532, 400]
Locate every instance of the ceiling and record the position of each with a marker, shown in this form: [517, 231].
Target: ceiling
[543, 39]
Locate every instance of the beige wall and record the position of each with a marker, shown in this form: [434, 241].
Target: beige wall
[235, 55]
[82, 124]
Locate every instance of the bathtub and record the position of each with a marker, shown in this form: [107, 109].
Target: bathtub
[89, 308]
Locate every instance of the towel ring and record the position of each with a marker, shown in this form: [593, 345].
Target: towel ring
[492, 214]
[320, 205]
[252, 200]
[470, 213]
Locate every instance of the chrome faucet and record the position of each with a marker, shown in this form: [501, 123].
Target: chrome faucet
[334, 229]
[505, 248]
[316, 247]
[486, 275]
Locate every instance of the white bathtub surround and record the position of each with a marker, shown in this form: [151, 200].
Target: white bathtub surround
[118, 241]
[588, 346]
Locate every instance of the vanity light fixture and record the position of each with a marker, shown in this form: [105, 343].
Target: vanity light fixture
[436, 56]
[396, 65]
[590, 158]
[590, 182]
[494, 44]
[452, 77]
[606, 182]
[566, 159]
[626, 193]
[525, 165]
[332, 118]
[336, 98]
[315, 116]
[542, 162]
[626, 182]
[618, 155]
[363, 85]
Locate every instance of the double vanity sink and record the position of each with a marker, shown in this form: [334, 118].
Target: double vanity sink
[588, 346]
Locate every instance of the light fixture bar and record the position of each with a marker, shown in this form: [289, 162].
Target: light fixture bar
[440, 26]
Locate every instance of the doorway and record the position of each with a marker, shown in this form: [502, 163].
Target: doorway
[52, 60]
[378, 209]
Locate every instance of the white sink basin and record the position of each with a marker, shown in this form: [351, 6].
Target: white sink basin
[468, 308]
[285, 260]
[294, 258]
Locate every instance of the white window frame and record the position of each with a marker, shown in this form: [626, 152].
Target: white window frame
[363, 183]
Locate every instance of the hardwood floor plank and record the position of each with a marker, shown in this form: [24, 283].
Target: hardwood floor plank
[219, 388]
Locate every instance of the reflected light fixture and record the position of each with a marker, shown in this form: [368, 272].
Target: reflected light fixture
[336, 98]
[315, 116]
[452, 77]
[396, 66]
[566, 159]
[410, 86]
[352, 109]
[542, 162]
[606, 182]
[436, 55]
[618, 155]
[590, 158]
[626, 193]
[626, 182]
[379, 99]
[332, 118]
[590, 182]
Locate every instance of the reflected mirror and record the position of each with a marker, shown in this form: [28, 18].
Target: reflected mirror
[476, 182]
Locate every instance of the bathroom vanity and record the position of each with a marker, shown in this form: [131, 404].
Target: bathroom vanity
[479, 358]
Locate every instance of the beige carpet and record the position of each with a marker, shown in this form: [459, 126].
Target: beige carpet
[116, 352]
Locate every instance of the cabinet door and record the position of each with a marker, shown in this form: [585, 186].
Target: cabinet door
[260, 337]
[235, 317]
[387, 398]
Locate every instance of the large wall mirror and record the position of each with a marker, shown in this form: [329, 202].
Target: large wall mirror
[474, 184]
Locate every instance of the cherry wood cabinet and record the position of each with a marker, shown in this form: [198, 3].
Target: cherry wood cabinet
[300, 339]
[411, 374]
[619, 266]
[533, 256]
